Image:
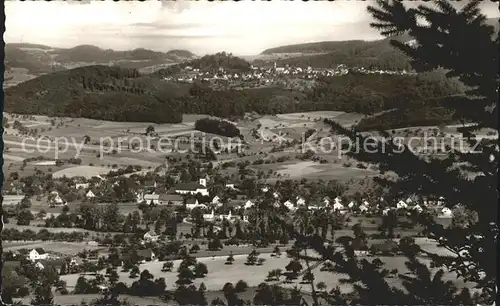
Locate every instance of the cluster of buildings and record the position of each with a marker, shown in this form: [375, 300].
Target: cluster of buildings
[269, 74]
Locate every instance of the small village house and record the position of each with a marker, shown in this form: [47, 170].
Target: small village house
[90, 195]
[151, 236]
[216, 201]
[37, 254]
[151, 198]
[401, 205]
[230, 186]
[75, 261]
[248, 204]
[209, 217]
[81, 186]
[55, 199]
[192, 203]
[300, 201]
[170, 199]
[289, 205]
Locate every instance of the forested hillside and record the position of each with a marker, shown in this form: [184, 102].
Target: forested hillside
[371, 93]
[373, 58]
[407, 116]
[35, 63]
[97, 92]
[377, 54]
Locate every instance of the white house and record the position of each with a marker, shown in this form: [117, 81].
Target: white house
[90, 195]
[151, 198]
[300, 201]
[363, 208]
[209, 217]
[151, 236]
[173, 199]
[228, 217]
[417, 208]
[193, 203]
[401, 205]
[55, 198]
[193, 188]
[39, 266]
[76, 261]
[446, 212]
[289, 205]
[230, 186]
[248, 204]
[338, 206]
[37, 254]
[217, 201]
[351, 205]
[326, 201]
[12, 199]
[365, 203]
[276, 195]
[385, 211]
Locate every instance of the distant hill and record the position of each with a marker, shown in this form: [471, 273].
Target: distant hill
[316, 47]
[378, 54]
[98, 92]
[181, 53]
[90, 53]
[42, 59]
[356, 53]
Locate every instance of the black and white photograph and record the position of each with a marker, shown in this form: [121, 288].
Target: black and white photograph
[231, 153]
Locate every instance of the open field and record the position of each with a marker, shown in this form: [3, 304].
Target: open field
[85, 171]
[120, 134]
[36, 226]
[62, 248]
[76, 299]
[220, 273]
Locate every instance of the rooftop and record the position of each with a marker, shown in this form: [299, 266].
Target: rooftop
[170, 197]
[192, 186]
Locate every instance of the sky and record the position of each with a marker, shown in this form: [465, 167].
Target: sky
[242, 28]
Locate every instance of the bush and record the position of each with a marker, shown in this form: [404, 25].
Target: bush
[215, 126]
[361, 166]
